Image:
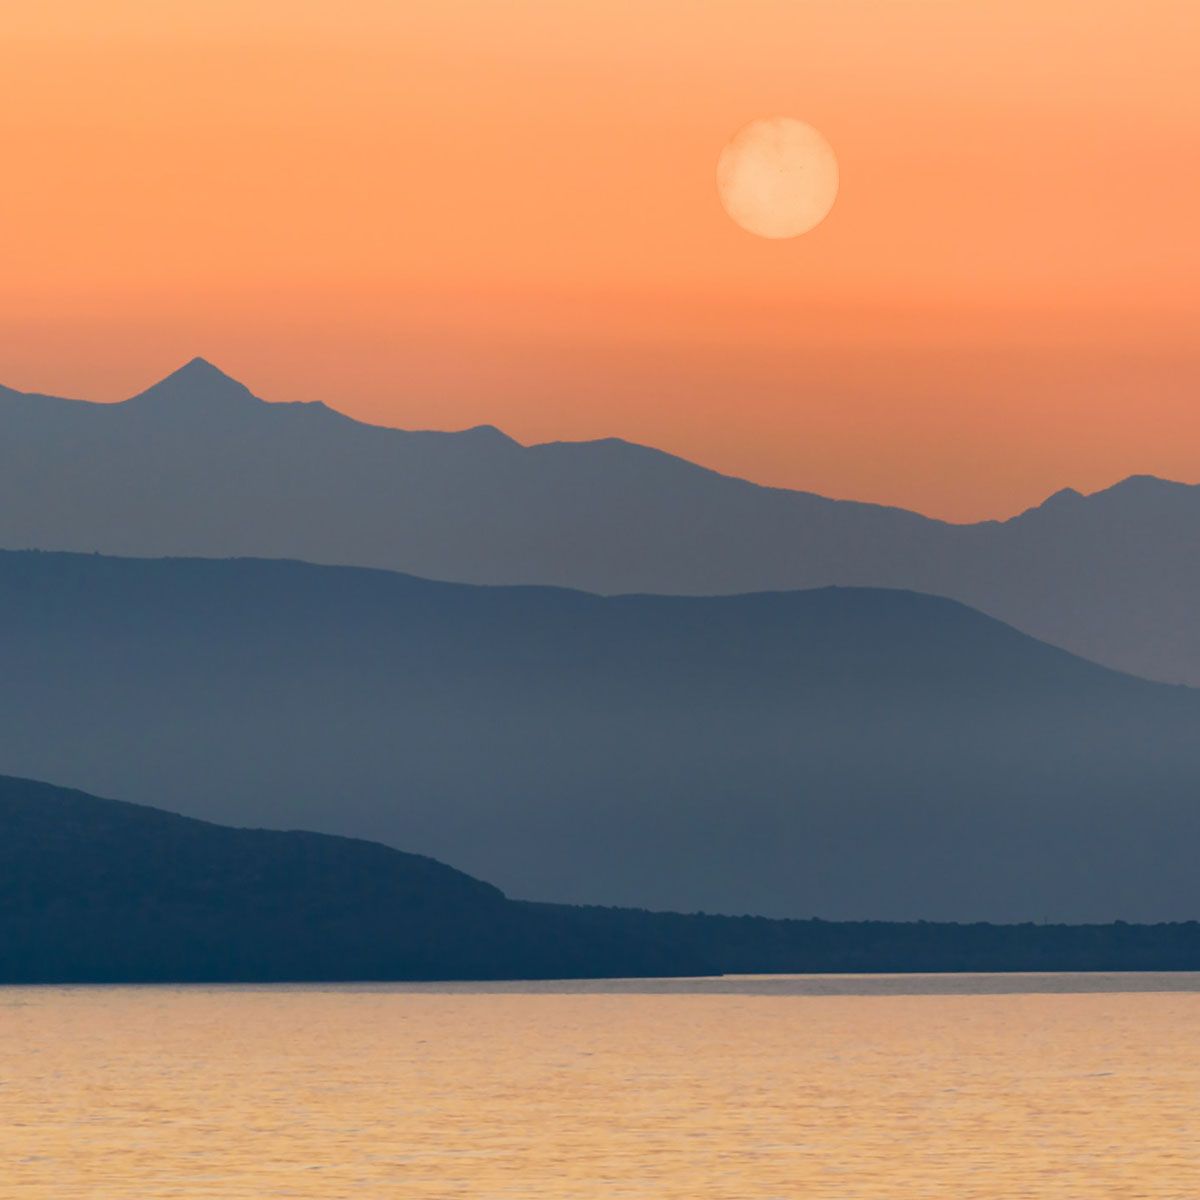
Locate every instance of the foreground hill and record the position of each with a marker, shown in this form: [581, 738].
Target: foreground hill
[96, 890]
[843, 753]
[197, 465]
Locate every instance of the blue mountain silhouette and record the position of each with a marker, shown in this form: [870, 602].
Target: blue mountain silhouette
[844, 753]
[196, 465]
[96, 890]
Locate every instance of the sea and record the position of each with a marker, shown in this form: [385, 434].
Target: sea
[969, 1087]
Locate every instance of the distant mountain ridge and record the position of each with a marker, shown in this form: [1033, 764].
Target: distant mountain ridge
[99, 891]
[842, 753]
[196, 465]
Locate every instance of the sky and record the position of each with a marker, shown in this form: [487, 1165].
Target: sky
[443, 213]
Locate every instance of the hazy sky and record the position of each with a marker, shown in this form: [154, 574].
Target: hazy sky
[440, 213]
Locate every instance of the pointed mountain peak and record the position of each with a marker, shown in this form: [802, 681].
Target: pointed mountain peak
[201, 368]
[196, 385]
[1131, 487]
[1133, 493]
[1065, 495]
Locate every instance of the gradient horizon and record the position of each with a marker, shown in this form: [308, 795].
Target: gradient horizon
[448, 214]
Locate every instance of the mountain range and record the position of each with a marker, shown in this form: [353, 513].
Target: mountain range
[843, 753]
[100, 891]
[197, 465]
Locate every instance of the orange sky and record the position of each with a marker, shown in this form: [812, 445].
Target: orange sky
[440, 213]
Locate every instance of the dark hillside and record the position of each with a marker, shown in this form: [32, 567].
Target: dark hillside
[97, 891]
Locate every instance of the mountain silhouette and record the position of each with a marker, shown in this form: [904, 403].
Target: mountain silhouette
[100, 891]
[199, 387]
[196, 465]
[842, 753]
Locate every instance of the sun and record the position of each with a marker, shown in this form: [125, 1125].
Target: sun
[778, 177]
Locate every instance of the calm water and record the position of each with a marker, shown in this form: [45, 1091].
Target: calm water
[968, 1087]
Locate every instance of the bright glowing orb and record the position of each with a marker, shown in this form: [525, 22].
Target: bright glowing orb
[778, 177]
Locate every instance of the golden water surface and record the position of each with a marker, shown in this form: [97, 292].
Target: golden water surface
[738, 1090]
